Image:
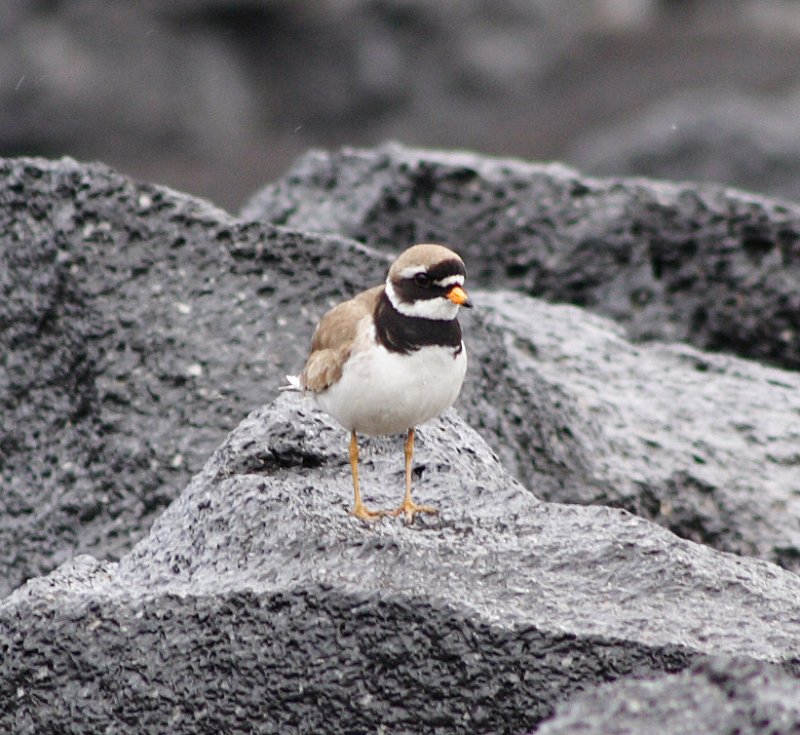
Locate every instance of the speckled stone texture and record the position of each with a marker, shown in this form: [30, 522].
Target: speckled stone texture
[714, 697]
[702, 443]
[708, 445]
[138, 326]
[257, 604]
[715, 267]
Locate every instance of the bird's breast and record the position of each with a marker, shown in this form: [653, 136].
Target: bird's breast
[384, 392]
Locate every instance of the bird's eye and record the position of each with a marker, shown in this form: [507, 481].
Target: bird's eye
[422, 279]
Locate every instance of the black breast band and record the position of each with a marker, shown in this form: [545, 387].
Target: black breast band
[404, 334]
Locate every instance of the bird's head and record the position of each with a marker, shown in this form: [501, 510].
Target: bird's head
[427, 281]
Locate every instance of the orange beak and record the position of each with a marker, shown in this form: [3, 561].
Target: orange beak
[459, 296]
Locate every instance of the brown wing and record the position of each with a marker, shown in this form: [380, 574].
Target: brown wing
[333, 339]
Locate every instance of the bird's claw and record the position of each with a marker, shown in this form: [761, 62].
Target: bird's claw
[365, 514]
[409, 509]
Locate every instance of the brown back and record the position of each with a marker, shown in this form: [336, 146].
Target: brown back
[334, 338]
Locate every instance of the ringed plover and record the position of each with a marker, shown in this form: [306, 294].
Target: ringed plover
[392, 357]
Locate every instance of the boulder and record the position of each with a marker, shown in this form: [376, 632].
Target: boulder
[704, 444]
[137, 327]
[714, 696]
[199, 583]
[736, 139]
[703, 264]
[257, 603]
[216, 97]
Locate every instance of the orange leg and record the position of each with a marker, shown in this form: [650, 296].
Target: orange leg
[409, 507]
[359, 509]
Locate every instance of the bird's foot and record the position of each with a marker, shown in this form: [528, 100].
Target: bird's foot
[409, 509]
[365, 514]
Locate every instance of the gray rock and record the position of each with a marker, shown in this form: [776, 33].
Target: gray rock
[218, 96]
[715, 697]
[258, 603]
[704, 444]
[137, 326]
[715, 267]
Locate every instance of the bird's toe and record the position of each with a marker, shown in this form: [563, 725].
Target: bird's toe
[409, 509]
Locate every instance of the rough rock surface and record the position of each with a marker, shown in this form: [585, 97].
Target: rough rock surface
[711, 266]
[258, 604]
[702, 443]
[137, 326]
[716, 697]
[216, 97]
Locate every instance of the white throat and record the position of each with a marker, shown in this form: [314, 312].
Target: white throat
[440, 308]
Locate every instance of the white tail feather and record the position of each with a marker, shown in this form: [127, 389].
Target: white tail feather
[292, 383]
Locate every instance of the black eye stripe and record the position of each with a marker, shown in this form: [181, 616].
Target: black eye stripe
[445, 269]
[441, 271]
[409, 289]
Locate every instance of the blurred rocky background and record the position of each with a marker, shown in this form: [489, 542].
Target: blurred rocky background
[216, 97]
[139, 325]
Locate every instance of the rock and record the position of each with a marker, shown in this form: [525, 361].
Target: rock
[704, 444]
[216, 97]
[258, 603]
[137, 326]
[716, 696]
[714, 267]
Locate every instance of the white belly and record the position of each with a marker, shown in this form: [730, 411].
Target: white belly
[382, 392]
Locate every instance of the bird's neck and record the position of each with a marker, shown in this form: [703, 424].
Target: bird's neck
[404, 334]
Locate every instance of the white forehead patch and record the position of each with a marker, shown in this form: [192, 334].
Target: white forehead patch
[450, 281]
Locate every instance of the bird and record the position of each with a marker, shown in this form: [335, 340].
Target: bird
[391, 358]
